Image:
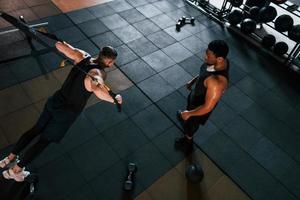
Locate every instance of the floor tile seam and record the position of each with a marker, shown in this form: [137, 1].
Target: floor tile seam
[278, 95]
[159, 49]
[261, 82]
[181, 69]
[224, 171]
[156, 73]
[261, 136]
[37, 168]
[138, 82]
[270, 139]
[23, 107]
[107, 128]
[95, 174]
[163, 156]
[257, 103]
[147, 40]
[4, 135]
[133, 8]
[82, 143]
[151, 3]
[14, 76]
[47, 78]
[125, 159]
[50, 72]
[276, 179]
[94, 35]
[144, 133]
[115, 151]
[166, 11]
[250, 156]
[260, 105]
[48, 3]
[179, 42]
[219, 180]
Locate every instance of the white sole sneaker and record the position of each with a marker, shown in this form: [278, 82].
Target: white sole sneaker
[4, 162]
[19, 177]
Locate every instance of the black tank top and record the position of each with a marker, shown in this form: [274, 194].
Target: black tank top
[198, 93]
[72, 96]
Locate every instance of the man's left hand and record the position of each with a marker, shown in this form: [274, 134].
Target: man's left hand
[185, 115]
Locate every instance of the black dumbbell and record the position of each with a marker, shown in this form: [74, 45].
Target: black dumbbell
[186, 20]
[179, 24]
[128, 185]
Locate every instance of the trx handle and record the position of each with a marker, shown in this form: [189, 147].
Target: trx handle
[113, 95]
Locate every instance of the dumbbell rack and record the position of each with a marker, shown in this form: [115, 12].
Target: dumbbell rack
[220, 15]
[293, 9]
[209, 9]
[255, 38]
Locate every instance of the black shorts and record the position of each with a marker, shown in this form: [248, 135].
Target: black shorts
[55, 122]
[192, 124]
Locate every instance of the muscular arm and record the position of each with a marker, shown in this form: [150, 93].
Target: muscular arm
[100, 91]
[213, 95]
[74, 54]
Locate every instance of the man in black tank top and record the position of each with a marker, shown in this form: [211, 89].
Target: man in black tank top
[211, 83]
[62, 109]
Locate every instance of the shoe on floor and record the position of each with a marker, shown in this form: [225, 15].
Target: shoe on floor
[184, 144]
[19, 176]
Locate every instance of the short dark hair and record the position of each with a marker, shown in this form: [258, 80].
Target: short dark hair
[219, 48]
[108, 52]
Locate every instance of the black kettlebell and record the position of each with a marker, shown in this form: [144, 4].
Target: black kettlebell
[194, 173]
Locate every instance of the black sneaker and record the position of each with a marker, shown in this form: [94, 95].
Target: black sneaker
[183, 144]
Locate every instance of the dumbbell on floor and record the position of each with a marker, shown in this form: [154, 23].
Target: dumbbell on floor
[179, 24]
[184, 20]
[128, 185]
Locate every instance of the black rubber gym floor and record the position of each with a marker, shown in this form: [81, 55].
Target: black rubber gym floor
[253, 135]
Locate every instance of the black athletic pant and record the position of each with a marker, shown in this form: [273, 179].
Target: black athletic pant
[34, 150]
[191, 125]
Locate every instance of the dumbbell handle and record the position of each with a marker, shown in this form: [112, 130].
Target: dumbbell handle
[129, 176]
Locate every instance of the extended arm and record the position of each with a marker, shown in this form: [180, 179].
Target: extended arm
[69, 51]
[98, 87]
